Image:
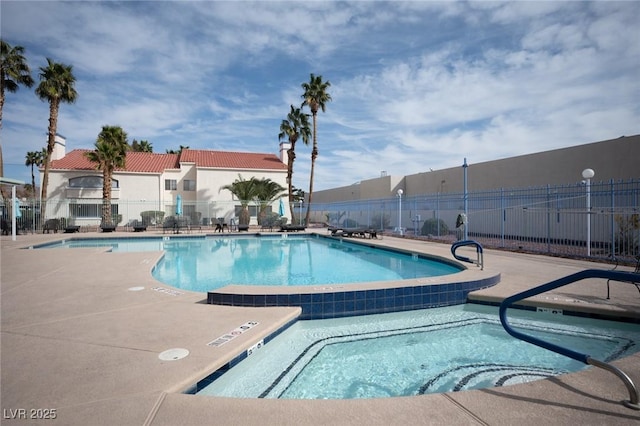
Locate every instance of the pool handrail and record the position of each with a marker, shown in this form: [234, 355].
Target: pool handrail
[480, 257]
[585, 274]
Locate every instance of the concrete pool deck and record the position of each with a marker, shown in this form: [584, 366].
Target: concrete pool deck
[76, 338]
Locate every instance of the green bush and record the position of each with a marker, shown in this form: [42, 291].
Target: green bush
[627, 241]
[434, 226]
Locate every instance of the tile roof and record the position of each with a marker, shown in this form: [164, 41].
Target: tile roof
[146, 162]
[232, 160]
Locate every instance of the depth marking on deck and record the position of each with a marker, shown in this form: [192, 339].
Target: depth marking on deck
[233, 334]
[167, 291]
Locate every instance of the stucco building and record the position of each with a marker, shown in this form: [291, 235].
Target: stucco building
[152, 182]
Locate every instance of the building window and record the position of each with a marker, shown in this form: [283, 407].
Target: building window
[189, 185]
[90, 182]
[90, 210]
[170, 184]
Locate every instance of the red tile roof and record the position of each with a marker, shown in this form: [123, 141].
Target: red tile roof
[232, 160]
[146, 162]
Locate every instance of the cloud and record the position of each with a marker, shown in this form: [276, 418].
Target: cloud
[415, 85]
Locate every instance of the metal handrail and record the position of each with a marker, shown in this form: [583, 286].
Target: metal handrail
[480, 256]
[588, 273]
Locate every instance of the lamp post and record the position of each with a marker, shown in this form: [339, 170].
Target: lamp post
[400, 211]
[466, 197]
[588, 174]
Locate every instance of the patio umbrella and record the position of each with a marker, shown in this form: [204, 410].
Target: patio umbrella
[179, 205]
[281, 208]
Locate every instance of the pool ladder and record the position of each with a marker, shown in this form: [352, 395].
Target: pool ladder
[588, 273]
[479, 257]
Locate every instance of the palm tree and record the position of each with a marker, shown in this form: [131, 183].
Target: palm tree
[110, 153]
[142, 146]
[33, 158]
[14, 71]
[245, 191]
[267, 191]
[315, 96]
[295, 126]
[57, 84]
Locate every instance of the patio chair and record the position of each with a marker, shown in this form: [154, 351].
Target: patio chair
[181, 222]
[193, 224]
[169, 224]
[635, 271]
[221, 225]
[51, 225]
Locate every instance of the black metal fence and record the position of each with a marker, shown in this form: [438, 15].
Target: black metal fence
[597, 220]
[592, 220]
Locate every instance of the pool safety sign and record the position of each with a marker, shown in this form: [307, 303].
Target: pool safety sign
[233, 334]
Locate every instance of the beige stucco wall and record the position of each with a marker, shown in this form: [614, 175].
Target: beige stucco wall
[612, 159]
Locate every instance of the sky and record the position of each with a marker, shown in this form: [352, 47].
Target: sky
[414, 85]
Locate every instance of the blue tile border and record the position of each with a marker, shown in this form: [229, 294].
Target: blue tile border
[337, 304]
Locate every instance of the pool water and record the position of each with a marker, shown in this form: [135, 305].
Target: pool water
[205, 264]
[417, 352]
[213, 263]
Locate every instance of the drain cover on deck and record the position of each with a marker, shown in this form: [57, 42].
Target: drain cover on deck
[173, 354]
[136, 288]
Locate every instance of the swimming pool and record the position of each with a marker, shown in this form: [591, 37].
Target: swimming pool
[204, 264]
[192, 263]
[413, 353]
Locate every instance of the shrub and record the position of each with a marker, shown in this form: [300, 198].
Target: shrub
[627, 236]
[434, 226]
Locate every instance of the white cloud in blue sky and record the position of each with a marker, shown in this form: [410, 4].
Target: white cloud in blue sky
[415, 85]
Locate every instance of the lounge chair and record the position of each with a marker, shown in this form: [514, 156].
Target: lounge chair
[71, 229]
[353, 232]
[107, 227]
[292, 228]
[138, 226]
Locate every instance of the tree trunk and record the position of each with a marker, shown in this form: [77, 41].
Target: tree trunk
[292, 156]
[33, 182]
[1, 108]
[107, 217]
[314, 155]
[53, 125]
[244, 218]
[1, 160]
